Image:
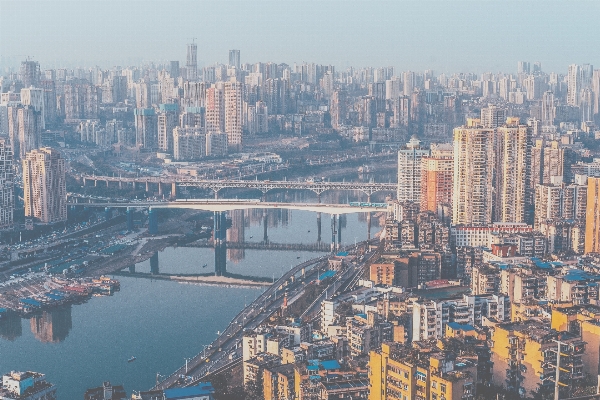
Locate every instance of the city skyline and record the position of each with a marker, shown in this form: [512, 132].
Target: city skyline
[447, 37]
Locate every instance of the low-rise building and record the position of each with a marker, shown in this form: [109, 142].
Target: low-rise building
[26, 386]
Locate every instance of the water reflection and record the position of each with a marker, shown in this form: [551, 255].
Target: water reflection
[52, 326]
[10, 327]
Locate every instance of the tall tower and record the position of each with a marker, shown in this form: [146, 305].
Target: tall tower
[44, 185]
[513, 173]
[574, 84]
[233, 115]
[146, 130]
[30, 73]
[215, 109]
[167, 120]
[7, 195]
[191, 64]
[592, 222]
[473, 174]
[409, 170]
[234, 58]
[338, 108]
[436, 180]
[492, 116]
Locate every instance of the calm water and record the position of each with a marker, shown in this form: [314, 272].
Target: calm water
[159, 322]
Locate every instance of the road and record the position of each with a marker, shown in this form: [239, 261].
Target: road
[226, 350]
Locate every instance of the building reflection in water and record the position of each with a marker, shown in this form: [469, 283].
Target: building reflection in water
[10, 327]
[235, 234]
[52, 326]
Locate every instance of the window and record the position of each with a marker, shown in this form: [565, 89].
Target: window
[443, 387]
[434, 384]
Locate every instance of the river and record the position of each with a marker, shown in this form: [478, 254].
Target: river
[160, 322]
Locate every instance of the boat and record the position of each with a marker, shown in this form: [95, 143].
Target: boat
[205, 265]
[131, 359]
[251, 237]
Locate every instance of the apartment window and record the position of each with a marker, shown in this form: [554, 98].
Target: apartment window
[434, 385]
[443, 387]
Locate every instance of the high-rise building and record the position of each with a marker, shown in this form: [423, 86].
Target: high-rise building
[558, 201]
[167, 119]
[592, 222]
[408, 80]
[513, 173]
[7, 195]
[146, 130]
[29, 129]
[548, 109]
[191, 65]
[189, 143]
[234, 58]
[338, 108]
[233, 115]
[215, 109]
[574, 84]
[523, 67]
[436, 180]
[472, 195]
[409, 170]
[547, 161]
[35, 97]
[174, 69]
[30, 73]
[492, 116]
[44, 185]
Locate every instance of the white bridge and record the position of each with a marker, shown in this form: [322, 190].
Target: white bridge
[235, 204]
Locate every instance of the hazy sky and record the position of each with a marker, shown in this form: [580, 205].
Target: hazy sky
[447, 35]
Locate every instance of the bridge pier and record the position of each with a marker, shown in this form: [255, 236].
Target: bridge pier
[107, 183]
[333, 231]
[369, 225]
[220, 242]
[84, 181]
[319, 227]
[147, 187]
[120, 184]
[173, 190]
[153, 264]
[132, 269]
[152, 221]
[339, 238]
[129, 219]
[95, 182]
[368, 198]
[265, 233]
[216, 193]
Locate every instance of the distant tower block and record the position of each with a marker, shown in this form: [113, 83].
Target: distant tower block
[192, 62]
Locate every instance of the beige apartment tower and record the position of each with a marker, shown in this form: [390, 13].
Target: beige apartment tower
[473, 174]
[233, 115]
[592, 221]
[44, 185]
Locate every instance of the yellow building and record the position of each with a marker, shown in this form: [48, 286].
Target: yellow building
[420, 373]
[592, 220]
[524, 357]
[586, 321]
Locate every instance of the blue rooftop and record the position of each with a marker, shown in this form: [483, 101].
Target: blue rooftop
[464, 327]
[580, 275]
[330, 364]
[326, 275]
[31, 302]
[202, 389]
[342, 254]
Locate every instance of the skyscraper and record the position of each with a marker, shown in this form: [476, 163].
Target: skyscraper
[191, 64]
[513, 172]
[436, 180]
[473, 174]
[574, 84]
[338, 108]
[167, 120]
[234, 58]
[30, 73]
[215, 109]
[492, 116]
[233, 115]
[409, 170]
[7, 195]
[146, 130]
[44, 185]
[592, 222]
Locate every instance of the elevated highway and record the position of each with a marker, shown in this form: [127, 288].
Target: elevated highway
[218, 205]
[263, 186]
